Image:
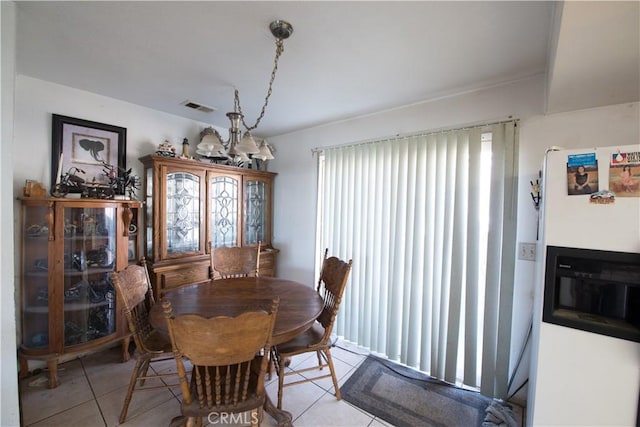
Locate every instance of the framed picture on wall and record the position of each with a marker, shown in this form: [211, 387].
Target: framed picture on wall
[87, 146]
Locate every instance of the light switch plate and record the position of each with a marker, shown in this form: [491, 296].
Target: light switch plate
[527, 251]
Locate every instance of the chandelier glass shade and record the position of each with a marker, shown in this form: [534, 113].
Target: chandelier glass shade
[210, 146]
[247, 144]
[265, 152]
[241, 145]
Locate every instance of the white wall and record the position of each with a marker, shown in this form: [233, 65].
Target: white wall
[611, 125]
[296, 167]
[295, 189]
[9, 410]
[36, 100]
[616, 125]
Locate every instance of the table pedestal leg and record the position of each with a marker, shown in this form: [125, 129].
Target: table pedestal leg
[283, 418]
[178, 421]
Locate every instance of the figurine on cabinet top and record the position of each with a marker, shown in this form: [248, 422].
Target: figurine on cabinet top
[185, 149]
[166, 149]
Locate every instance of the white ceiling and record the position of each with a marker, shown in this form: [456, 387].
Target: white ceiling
[597, 55]
[343, 60]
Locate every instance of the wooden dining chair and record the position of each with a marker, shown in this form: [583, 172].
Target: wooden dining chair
[234, 261]
[331, 285]
[228, 355]
[134, 291]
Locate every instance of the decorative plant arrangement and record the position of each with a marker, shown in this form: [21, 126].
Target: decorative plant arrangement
[121, 180]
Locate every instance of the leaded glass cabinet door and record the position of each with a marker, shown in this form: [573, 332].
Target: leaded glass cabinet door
[149, 209]
[224, 206]
[257, 196]
[183, 212]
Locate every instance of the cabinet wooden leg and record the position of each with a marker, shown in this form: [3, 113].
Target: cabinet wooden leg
[24, 368]
[125, 349]
[52, 365]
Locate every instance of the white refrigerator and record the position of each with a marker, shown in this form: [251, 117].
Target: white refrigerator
[577, 377]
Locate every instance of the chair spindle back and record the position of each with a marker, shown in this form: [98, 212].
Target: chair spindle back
[222, 350]
[331, 286]
[134, 288]
[234, 261]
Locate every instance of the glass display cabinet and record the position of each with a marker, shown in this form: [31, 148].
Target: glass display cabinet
[69, 248]
[189, 204]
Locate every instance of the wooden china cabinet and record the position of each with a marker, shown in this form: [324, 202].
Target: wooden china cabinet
[69, 248]
[189, 203]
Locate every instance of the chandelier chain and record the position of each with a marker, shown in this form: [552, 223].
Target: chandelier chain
[279, 50]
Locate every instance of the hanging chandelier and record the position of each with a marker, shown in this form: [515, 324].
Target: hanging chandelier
[241, 145]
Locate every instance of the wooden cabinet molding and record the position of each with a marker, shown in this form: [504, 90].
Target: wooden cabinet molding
[189, 203]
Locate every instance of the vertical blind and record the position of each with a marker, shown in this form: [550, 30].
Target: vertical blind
[431, 286]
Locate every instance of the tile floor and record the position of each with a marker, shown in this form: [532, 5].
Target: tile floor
[93, 387]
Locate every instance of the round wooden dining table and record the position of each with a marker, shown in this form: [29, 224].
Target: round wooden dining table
[300, 305]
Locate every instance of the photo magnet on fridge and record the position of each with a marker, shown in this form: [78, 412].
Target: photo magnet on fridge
[624, 174]
[582, 174]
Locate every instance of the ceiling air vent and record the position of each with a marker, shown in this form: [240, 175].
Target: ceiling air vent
[199, 107]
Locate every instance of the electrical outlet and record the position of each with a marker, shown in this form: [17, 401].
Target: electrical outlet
[527, 251]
